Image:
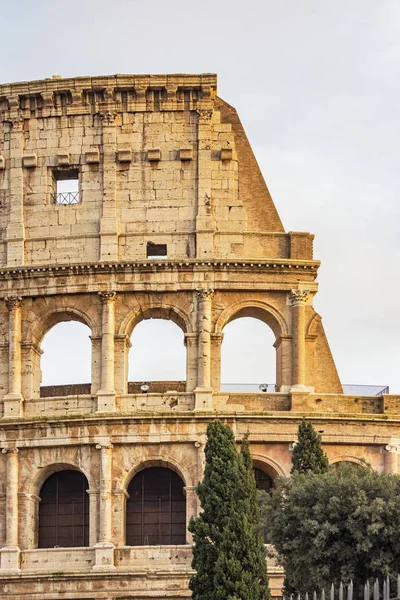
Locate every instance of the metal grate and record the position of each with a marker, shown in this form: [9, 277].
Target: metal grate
[67, 198]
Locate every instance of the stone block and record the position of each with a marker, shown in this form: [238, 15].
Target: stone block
[124, 155]
[2, 163]
[29, 161]
[154, 155]
[226, 154]
[93, 157]
[186, 154]
[63, 160]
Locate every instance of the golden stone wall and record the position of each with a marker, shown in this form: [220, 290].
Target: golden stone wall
[161, 160]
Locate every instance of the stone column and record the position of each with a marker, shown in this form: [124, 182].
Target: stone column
[391, 458]
[191, 361]
[13, 400]
[109, 223]
[299, 299]
[216, 345]
[106, 395]
[15, 231]
[205, 223]
[104, 549]
[10, 554]
[191, 508]
[203, 390]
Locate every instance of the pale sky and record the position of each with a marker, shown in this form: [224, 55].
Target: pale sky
[316, 85]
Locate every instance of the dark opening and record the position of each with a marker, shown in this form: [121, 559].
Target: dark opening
[263, 481]
[64, 511]
[66, 186]
[159, 250]
[156, 509]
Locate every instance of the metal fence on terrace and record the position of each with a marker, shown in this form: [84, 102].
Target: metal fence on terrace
[389, 589]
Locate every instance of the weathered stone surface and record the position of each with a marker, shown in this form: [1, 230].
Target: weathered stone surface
[164, 168]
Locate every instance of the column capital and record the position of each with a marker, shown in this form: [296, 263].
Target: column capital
[108, 296]
[13, 302]
[392, 448]
[104, 446]
[10, 450]
[107, 117]
[205, 115]
[204, 294]
[298, 296]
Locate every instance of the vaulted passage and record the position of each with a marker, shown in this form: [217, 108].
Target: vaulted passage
[263, 480]
[64, 511]
[156, 509]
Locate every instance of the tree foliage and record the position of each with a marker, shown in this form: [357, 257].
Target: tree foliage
[307, 452]
[228, 552]
[342, 524]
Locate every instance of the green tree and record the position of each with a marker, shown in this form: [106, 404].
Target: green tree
[342, 524]
[228, 553]
[308, 455]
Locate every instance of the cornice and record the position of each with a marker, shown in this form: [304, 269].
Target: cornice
[150, 266]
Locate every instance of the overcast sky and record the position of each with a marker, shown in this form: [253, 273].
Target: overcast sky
[316, 84]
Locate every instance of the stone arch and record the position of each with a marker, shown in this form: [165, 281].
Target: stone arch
[60, 315]
[168, 463]
[256, 309]
[169, 313]
[268, 465]
[34, 483]
[350, 459]
[313, 324]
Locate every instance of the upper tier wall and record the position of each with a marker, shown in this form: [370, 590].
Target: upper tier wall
[162, 165]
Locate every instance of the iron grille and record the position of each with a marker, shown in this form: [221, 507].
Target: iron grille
[67, 198]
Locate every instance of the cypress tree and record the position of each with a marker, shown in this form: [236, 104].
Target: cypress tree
[228, 554]
[308, 456]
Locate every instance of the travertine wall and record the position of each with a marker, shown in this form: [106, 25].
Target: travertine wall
[161, 160]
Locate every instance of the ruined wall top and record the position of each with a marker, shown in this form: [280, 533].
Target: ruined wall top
[131, 167]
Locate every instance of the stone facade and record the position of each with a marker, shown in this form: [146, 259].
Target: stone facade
[172, 220]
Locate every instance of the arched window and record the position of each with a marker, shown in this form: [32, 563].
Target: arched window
[158, 353]
[248, 358]
[64, 511]
[263, 480]
[156, 509]
[66, 355]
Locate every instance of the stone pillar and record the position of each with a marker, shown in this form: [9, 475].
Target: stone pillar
[299, 299]
[122, 347]
[216, 345]
[120, 497]
[191, 361]
[391, 458]
[104, 549]
[283, 346]
[106, 395]
[203, 390]
[109, 223]
[15, 231]
[94, 529]
[13, 401]
[191, 508]
[10, 554]
[205, 223]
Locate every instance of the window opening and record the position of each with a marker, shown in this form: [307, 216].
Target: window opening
[263, 481]
[64, 511]
[156, 250]
[158, 353]
[248, 357]
[66, 186]
[67, 354]
[156, 509]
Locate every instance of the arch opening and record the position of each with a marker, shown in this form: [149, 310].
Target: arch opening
[156, 508]
[157, 357]
[248, 356]
[64, 510]
[67, 356]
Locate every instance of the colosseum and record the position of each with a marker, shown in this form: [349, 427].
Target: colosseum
[167, 217]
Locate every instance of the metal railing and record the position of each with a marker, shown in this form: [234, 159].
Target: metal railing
[349, 389]
[66, 198]
[345, 591]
